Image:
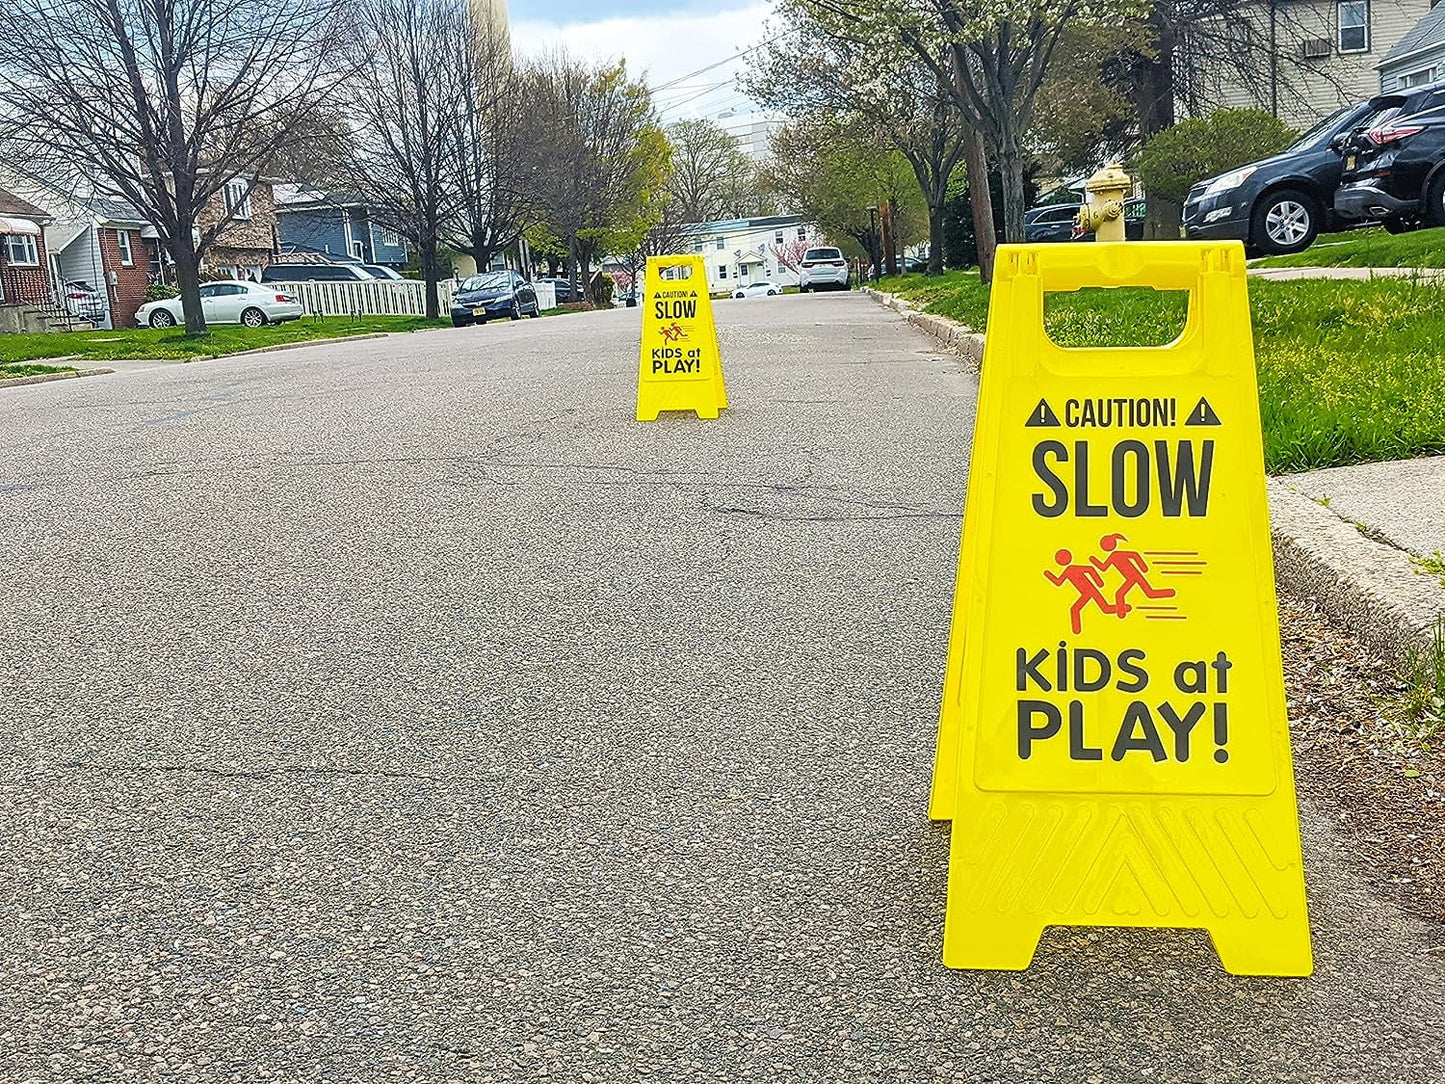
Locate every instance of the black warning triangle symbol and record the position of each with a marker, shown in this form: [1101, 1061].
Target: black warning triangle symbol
[1042, 415]
[1203, 414]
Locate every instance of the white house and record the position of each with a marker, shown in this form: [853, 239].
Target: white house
[744, 250]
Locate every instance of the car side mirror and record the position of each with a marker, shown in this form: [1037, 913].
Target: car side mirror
[1337, 142]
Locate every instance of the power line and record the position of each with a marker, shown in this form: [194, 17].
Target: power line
[710, 67]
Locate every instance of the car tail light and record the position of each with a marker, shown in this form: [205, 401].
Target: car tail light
[836, 263]
[285, 299]
[1380, 136]
[807, 263]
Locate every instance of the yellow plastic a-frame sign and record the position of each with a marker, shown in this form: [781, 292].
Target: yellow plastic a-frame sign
[1113, 745]
[680, 368]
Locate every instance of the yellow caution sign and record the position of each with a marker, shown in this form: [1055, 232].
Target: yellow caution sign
[680, 368]
[1113, 745]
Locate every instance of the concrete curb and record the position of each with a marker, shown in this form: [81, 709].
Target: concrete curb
[304, 343]
[46, 378]
[951, 335]
[1367, 587]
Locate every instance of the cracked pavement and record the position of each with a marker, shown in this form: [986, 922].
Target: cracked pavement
[403, 710]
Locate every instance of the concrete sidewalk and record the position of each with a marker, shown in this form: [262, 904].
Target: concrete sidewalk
[1287, 274]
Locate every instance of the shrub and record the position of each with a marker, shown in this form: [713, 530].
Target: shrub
[1179, 157]
[159, 291]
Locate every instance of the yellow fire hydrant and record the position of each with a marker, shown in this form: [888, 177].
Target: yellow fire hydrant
[1103, 209]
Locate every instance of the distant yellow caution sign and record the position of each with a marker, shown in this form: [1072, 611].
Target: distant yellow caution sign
[681, 368]
[1113, 746]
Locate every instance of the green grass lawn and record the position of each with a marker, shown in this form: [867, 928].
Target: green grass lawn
[1349, 372]
[1371, 247]
[8, 372]
[99, 346]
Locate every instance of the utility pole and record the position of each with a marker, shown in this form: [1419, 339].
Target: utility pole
[890, 259]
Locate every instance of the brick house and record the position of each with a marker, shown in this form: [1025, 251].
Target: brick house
[247, 243]
[24, 272]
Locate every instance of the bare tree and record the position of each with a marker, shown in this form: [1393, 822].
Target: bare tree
[711, 177]
[496, 166]
[163, 102]
[409, 93]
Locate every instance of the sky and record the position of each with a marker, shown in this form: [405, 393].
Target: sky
[666, 41]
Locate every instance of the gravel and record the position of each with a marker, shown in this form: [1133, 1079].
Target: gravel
[401, 710]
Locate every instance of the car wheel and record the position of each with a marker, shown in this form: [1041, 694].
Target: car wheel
[253, 318]
[162, 318]
[516, 313]
[1285, 222]
[458, 322]
[1396, 225]
[1435, 203]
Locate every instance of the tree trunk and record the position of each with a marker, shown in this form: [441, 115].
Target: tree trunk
[188, 280]
[975, 158]
[935, 231]
[1011, 176]
[885, 218]
[429, 274]
[1155, 85]
[572, 266]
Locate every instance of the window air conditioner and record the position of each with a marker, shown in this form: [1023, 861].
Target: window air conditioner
[1315, 48]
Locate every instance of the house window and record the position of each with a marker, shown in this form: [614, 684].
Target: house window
[722, 270]
[20, 249]
[802, 233]
[390, 237]
[697, 246]
[1418, 79]
[1354, 22]
[238, 199]
[127, 257]
[778, 237]
[719, 244]
[358, 250]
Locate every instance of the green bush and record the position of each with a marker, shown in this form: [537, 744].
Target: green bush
[1179, 157]
[160, 291]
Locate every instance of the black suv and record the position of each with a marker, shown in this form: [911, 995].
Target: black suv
[1282, 203]
[1395, 170]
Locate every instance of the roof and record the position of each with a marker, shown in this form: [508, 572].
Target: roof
[726, 225]
[296, 197]
[12, 206]
[1428, 32]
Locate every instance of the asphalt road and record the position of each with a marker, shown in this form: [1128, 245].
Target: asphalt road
[402, 710]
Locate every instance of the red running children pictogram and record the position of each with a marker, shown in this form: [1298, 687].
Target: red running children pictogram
[1130, 571]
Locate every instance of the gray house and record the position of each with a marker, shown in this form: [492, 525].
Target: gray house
[1417, 58]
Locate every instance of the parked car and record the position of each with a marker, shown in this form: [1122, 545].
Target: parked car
[822, 269]
[493, 293]
[1279, 204]
[230, 301]
[1394, 171]
[378, 271]
[758, 289]
[316, 272]
[84, 300]
[562, 287]
[1055, 222]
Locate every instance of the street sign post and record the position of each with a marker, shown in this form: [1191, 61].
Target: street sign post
[1113, 744]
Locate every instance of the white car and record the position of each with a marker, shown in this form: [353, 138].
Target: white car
[823, 269]
[757, 289]
[230, 301]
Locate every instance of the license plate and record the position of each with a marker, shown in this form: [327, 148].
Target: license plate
[480, 310]
[1350, 162]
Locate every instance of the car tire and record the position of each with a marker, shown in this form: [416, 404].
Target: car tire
[1396, 225]
[516, 313]
[1285, 222]
[253, 318]
[162, 318]
[1435, 202]
[459, 323]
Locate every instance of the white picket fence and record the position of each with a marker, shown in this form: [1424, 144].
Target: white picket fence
[380, 297]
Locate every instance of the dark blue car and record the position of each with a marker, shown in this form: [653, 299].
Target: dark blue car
[493, 294]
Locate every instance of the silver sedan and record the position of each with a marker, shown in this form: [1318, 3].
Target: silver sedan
[230, 301]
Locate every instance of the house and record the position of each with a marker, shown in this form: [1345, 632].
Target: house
[246, 244]
[744, 250]
[1417, 58]
[1306, 58]
[25, 290]
[97, 240]
[335, 224]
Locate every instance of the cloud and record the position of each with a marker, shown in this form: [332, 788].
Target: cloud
[664, 47]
